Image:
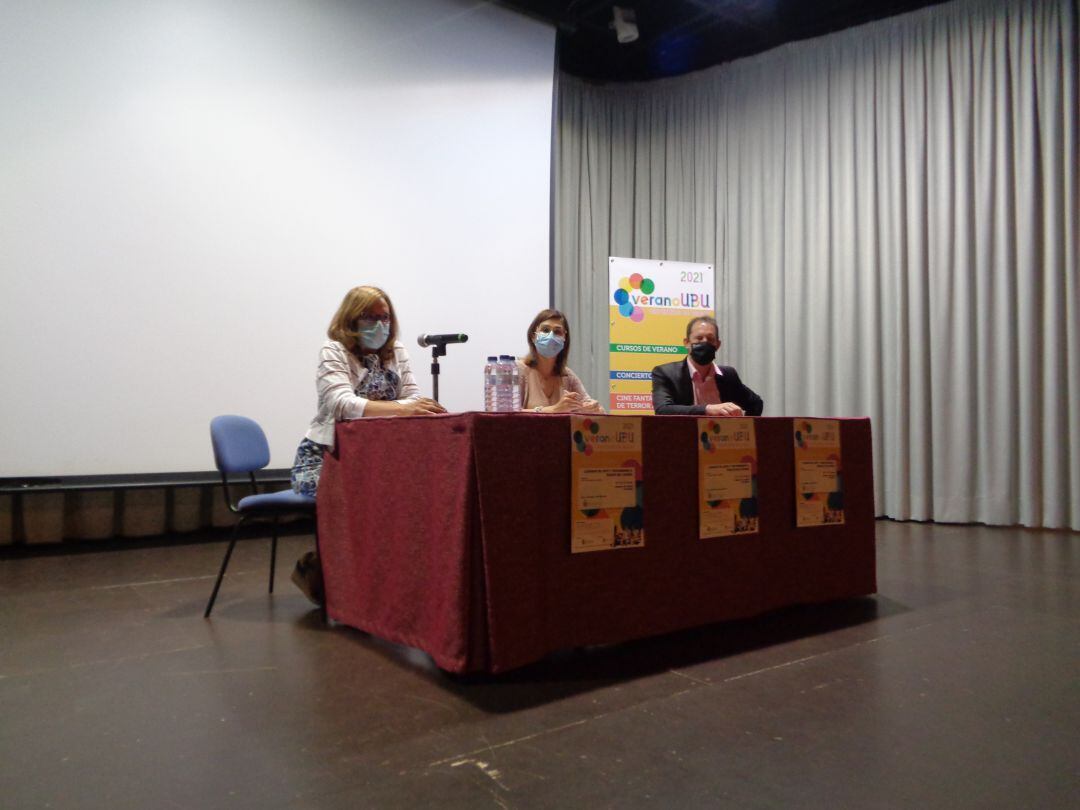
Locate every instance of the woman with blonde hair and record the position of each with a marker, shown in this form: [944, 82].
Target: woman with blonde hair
[363, 371]
[547, 383]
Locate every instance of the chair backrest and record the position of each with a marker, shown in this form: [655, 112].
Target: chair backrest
[240, 445]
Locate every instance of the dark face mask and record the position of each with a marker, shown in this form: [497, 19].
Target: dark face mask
[702, 353]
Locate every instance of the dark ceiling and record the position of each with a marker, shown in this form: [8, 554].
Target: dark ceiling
[678, 36]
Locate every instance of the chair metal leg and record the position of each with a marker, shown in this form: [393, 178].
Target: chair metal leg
[273, 552]
[224, 565]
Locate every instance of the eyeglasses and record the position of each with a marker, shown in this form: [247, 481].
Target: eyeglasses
[373, 318]
[558, 331]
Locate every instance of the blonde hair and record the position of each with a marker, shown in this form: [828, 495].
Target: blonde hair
[358, 303]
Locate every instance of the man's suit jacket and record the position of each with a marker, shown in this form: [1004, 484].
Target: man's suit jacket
[673, 391]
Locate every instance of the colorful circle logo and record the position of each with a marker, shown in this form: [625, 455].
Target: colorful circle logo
[585, 438]
[706, 439]
[627, 308]
[801, 430]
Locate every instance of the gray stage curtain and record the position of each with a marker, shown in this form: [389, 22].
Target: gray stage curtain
[892, 212]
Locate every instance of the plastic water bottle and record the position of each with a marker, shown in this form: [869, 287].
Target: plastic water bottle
[490, 381]
[497, 384]
[504, 385]
[515, 383]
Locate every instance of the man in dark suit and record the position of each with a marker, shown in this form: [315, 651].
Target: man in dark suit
[697, 385]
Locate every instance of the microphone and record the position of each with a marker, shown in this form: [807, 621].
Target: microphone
[440, 340]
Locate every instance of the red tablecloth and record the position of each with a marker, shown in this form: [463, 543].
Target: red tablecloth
[451, 534]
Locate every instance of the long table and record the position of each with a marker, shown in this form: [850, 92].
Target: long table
[451, 534]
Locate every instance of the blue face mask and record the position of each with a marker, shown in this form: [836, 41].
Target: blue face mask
[548, 344]
[373, 336]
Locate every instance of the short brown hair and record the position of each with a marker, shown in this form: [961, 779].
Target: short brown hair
[356, 304]
[711, 321]
[560, 358]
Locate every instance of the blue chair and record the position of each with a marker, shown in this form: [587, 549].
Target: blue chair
[240, 447]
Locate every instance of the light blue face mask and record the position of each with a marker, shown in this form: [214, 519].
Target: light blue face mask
[373, 337]
[548, 344]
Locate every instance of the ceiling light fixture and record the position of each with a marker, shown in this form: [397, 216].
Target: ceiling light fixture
[624, 21]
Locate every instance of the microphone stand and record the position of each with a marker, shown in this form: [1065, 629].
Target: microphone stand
[437, 350]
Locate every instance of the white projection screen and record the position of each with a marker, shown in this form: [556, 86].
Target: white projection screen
[189, 187]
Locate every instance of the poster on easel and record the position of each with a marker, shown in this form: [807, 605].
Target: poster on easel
[727, 477]
[649, 305]
[605, 483]
[819, 472]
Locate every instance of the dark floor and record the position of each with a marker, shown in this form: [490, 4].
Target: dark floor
[957, 686]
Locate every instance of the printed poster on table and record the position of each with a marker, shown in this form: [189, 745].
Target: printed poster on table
[649, 304]
[727, 477]
[819, 474]
[605, 483]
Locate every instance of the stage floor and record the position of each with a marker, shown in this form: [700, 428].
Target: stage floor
[956, 686]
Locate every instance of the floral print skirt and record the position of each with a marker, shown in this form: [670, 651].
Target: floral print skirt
[379, 383]
[306, 468]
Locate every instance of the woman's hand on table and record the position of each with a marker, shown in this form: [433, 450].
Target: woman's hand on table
[569, 402]
[573, 402]
[421, 406]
